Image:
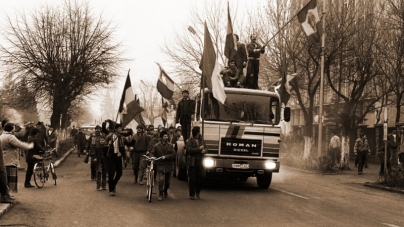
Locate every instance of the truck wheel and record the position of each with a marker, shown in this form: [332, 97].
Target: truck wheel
[264, 180]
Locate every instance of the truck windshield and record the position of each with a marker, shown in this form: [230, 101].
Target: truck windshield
[252, 108]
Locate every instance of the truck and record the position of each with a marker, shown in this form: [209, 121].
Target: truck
[242, 136]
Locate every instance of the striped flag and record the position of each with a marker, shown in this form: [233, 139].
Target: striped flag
[210, 69]
[165, 85]
[285, 88]
[230, 47]
[309, 19]
[128, 107]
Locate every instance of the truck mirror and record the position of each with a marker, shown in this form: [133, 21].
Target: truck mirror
[286, 114]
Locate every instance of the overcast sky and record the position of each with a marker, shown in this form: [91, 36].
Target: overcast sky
[143, 26]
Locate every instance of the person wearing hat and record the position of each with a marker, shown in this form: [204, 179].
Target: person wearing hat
[97, 148]
[184, 114]
[165, 166]
[254, 51]
[141, 143]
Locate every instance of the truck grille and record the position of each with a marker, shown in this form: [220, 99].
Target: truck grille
[241, 147]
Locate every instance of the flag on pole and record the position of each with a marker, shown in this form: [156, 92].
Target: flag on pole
[285, 88]
[165, 85]
[230, 47]
[128, 107]
[309, 19]
[210, 69]
[139, 118]
[164, 112]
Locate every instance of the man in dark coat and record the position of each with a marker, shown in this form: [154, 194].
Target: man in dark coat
[97, 147]
[37, 150]
[196, 149]
[80, 142]
[254, 52]
[185, 111]
[165, 166]
[241, 58]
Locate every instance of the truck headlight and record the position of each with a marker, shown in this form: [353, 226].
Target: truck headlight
[270, 165]
[208, 162]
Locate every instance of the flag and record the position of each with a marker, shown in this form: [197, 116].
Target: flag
[128, 107]
[310, 20]
[165, 85]
[284, 88]
[230, 46]
[138, 118]
[210, 69]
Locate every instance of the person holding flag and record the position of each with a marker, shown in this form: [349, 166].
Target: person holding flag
[254, 52]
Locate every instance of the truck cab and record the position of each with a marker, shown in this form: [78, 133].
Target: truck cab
[243, 135]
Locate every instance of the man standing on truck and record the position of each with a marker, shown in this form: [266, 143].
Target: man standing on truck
[185, 111]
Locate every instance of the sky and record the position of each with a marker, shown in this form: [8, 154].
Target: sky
[142, 26]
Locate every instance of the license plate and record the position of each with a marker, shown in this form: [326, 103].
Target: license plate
[241, 166]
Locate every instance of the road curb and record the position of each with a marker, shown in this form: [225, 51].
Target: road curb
[59, 161]
[5, 207]
[382, 187]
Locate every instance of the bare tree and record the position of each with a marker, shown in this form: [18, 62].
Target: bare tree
[150, 100]
[391, 50]
[63, 53]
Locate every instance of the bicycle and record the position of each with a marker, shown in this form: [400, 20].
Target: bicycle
[42, 170]
[150, 176]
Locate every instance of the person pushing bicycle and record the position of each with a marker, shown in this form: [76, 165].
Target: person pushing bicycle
[165, 166]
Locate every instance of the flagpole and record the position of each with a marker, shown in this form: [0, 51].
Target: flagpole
[320, 114]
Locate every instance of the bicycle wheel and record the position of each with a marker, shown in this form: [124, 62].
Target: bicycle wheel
[53, 172]
[39, 175]
[150, 182]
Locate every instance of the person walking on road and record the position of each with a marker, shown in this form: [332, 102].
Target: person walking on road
[165, 166]
[361, 147]
[116, 151]
[139, 149]
[98, 150]
[80, 142]
[196, 149]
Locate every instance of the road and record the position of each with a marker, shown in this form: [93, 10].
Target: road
[295, 198]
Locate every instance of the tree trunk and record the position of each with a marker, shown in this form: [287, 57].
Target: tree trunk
[308, 145]
[344, 162]
[55, 119]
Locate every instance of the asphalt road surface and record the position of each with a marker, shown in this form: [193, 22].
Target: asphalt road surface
[295, 198]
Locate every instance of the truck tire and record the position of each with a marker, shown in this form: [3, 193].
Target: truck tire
[264, 180]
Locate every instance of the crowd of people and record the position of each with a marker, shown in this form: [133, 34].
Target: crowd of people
[17, 142]
[111, 146]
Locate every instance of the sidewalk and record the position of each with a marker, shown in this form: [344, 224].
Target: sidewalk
[4, 207]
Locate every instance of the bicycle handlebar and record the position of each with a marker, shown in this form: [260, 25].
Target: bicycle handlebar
[152, 158]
